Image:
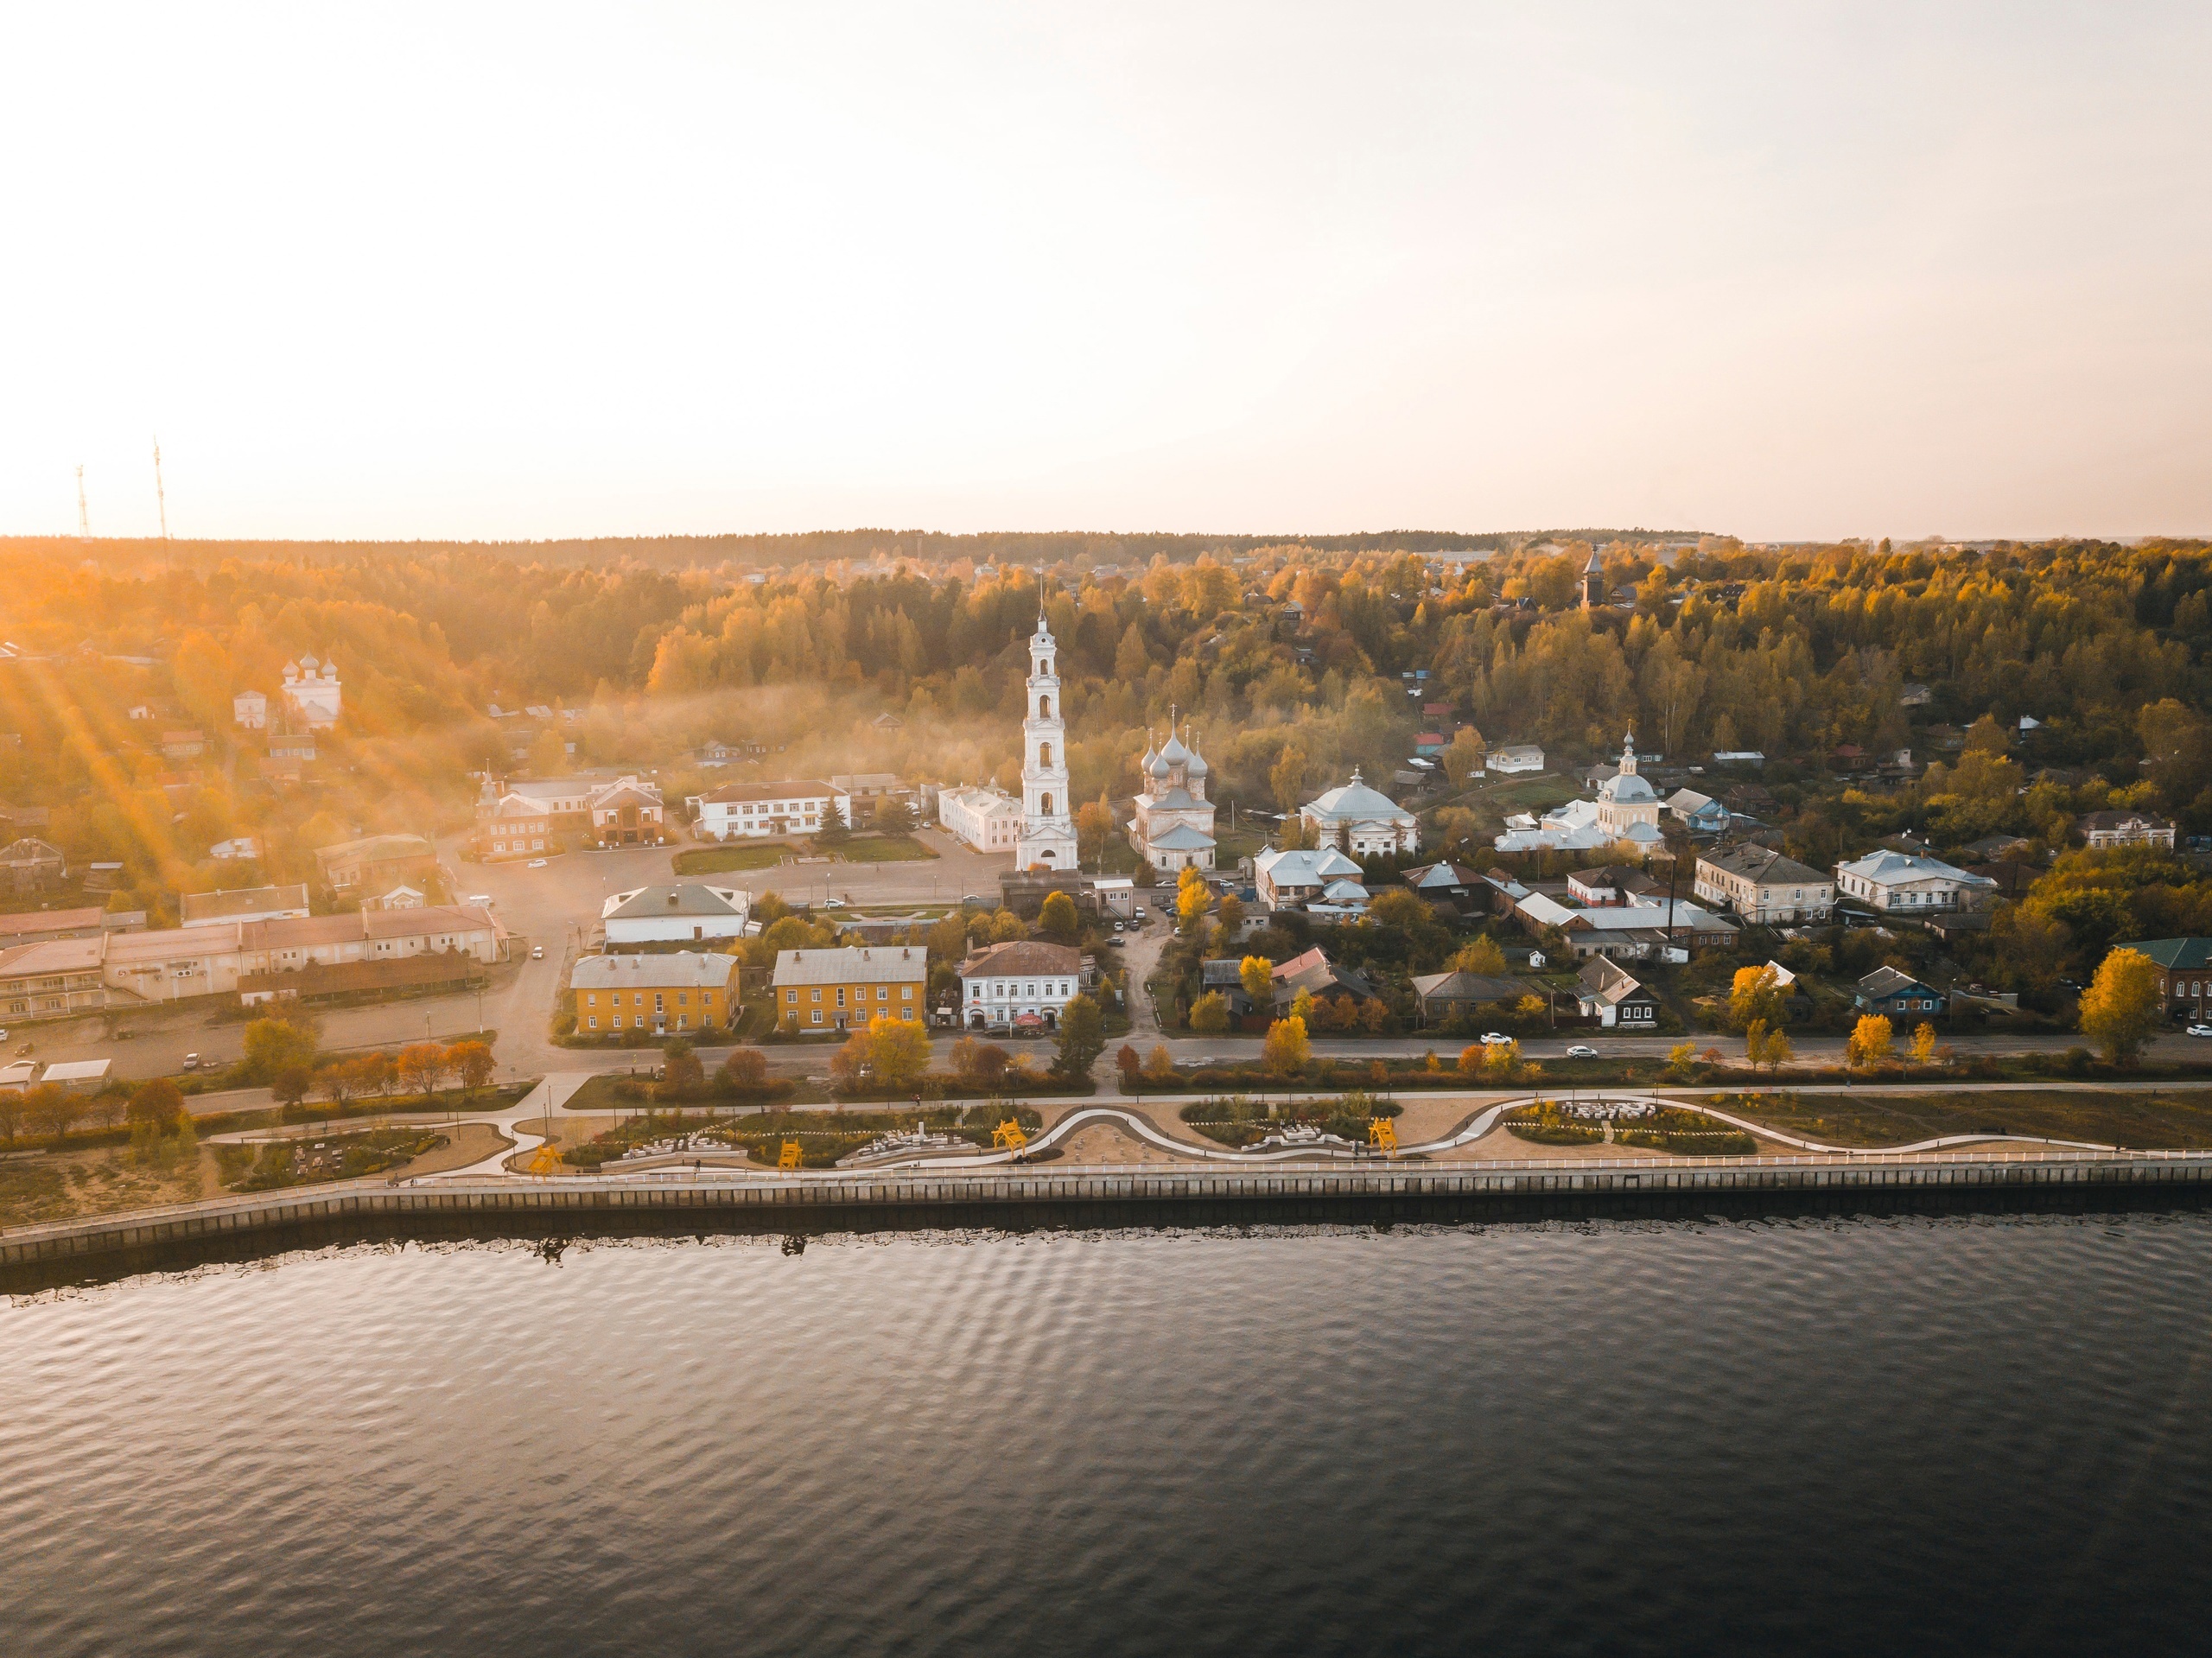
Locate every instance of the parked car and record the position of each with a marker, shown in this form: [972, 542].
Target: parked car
[1494, 1039]
[833, 904]
[479, 898]
[536, 863]
[1140, 915]
[972, 898]
[1582, 1051]
[537, 952]
[1117, 943]
[1120, 926]
[2194, 1030]
[192, 1061]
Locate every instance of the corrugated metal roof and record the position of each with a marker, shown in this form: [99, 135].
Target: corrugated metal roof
[868, 964]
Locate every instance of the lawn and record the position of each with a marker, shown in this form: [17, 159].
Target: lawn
[2145, 1120]
[1532, 794]
[881, 848]
[717, 860]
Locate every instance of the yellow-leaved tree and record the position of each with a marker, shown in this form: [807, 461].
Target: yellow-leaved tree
[1287, 1049]
[2120, 1007]
[1871, 1042]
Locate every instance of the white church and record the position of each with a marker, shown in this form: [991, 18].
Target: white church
[1173, 826]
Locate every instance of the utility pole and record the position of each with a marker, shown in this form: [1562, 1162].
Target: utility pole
[160, 499]
[83, 520]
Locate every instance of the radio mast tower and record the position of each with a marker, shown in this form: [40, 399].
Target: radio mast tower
[160, 500]
[84, 519]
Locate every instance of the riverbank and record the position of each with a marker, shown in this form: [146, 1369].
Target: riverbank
[1376, 1192]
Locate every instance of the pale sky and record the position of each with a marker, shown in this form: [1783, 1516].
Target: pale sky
[448, 270]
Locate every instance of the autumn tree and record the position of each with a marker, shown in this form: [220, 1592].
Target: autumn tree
[1286, 1050]
[471, 1061]
[1871, 1042]
[978, 1064]
[681, 1073]
[1924, 1043]
[1464, 758]
[291, 1084]
[1480, 956]
[1193, 898]
[422, 1067]
[53, 1110]
[1210, 1013]
[746, 1068]
[1286, 778]
[1755, 995]
[1257, 975]
[2119, 1010]
[1057, 920]
[901, 1048]
[1082, 1038]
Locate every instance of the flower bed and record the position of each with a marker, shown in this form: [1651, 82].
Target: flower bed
[824, 1136]
[1238, 1120]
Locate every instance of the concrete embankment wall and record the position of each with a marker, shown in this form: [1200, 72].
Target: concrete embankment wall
[1093, 1196]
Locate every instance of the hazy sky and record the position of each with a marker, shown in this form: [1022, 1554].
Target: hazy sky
[1783, 270]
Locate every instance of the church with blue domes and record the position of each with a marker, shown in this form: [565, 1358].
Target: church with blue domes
[1172, 829]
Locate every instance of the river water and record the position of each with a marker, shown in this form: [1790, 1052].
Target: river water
[1811, 1437]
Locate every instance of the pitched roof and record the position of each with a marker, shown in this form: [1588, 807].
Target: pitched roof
[1885, 981]
[1021, 955]
[1182, 838]
[21, 922]
[1605, 979]
[2118, 820]
[252, 900]
[1443, 873]
[2185, 955]
[1761, 865]
[684, 898]
[682, 970]
[372, 848]
[52, 956]
[1468, 987]
[1305, 866]
[1887, 868]
[784, 789]
[862, 964]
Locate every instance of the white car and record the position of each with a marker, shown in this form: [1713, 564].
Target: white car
[192, 1061]
[833, 904]
[2194, 1030]
[1494, 1039]
[534, 863]
[1582, 1051]
[537, 952]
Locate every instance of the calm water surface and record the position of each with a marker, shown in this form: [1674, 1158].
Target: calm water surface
[1972, 1435]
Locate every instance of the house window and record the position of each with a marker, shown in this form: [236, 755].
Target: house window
[841, 995]
[818, 1016]
[592, 1001]
[681, 1020]
[883, 993]
[616, 1022]
[905, 992]
[593, 1023]
[659, 1004]
[818, 996]
[790, 995]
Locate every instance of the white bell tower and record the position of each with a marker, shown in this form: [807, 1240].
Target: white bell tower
[1047, 816]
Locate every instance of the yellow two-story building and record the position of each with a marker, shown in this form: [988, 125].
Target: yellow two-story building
[667, 995]
[840, 989]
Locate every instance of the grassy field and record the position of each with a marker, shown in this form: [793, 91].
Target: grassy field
[1528, 794]
[2145, 1120]
[883, 849]
[716, 860]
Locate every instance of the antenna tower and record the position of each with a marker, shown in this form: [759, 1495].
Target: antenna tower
[84, 518]
[160, 500]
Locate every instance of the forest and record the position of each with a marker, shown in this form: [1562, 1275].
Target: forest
[1294, 662]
